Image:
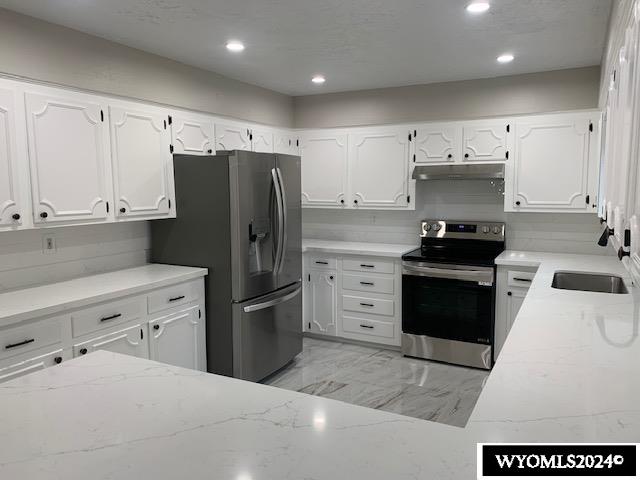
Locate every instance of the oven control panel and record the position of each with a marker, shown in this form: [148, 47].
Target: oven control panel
[462, 229]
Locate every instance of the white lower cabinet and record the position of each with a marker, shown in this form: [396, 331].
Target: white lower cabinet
[363, 306]
[137, 325]
[15, 367]
[321, 302]
[129, 341]
[512, 287]
[179, 339]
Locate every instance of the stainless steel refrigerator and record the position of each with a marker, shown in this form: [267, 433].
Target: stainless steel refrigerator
[239, 215]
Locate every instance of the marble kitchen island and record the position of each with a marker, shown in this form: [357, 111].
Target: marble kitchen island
[568, 373]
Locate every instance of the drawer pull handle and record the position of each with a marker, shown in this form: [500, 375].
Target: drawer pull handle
[371, 284]
[366, 326]
[522, 279]
[367, 304]
[111, 317]
[364, 265]
[322, 263]
[25, 342]
[175, 299]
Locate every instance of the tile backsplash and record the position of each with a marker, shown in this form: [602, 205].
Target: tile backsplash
[458, 200]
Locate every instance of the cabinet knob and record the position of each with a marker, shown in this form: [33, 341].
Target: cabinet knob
[509, 293]
[58, 359]
[209, 151]
[342, 201]
[123, 210]
[331, 277]
[355, 201]
[156, 327]
[44, 215]
[518, 203]
[450, 156]
[622, 253]
[16, 216]
[83, 351]
[466, 155]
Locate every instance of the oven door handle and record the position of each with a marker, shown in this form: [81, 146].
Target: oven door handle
[483, 276]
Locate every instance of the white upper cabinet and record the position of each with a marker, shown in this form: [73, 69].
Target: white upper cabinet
[232, 137]
[192, 134]
[286, 143]
[12, 211]
[486, 141]
[324, 168]
[68, 156]
[437, 143]
[552, 169]
[142, 162]
[261, 140]
[379, 168]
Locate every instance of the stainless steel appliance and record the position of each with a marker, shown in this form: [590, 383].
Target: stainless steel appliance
[448, 292]
[239, 214]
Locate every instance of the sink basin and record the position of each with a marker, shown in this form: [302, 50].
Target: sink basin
[588, 282]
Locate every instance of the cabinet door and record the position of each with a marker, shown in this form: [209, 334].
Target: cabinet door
[130, 341]
[178, 339]
[14, 368]
[379, 169]
[323, 298]
[68, 145]
[142, 162]
[11, 211]
[261, 140]
[515, 297]
[192, 135]
[551, 167]
[286, 143]
[232, 137]
[437, 143]
[324, 169]
[486, 142]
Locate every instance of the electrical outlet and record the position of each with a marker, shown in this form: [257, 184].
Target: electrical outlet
[49, 245]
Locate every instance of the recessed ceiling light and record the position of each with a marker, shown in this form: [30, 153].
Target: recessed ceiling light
[506, 58]
[478, 7]
[318, 79]
[235, 46]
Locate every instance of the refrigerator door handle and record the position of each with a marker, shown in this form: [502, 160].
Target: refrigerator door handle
[285, 223]
[280, 213]
[271, 303]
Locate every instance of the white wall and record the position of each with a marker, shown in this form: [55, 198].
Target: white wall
[458, 200]
[81, 250]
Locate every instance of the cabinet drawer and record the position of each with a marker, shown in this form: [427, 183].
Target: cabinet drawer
[365, 326]
[107, 315]
[368, 265]
[519, 279]
[25, 338]
[368, 305]
[368, 283]
[173, 296]
[321, 261]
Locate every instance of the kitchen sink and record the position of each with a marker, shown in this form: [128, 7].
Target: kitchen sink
[588, 282]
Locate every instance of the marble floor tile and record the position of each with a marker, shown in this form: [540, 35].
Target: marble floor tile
[384, 380]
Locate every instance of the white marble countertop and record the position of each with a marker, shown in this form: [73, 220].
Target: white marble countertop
[356, 248]
[568, 372]
[27, 303]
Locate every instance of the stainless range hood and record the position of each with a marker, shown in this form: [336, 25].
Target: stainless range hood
[459, 171]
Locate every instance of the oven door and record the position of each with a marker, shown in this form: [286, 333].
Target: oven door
[451, 302]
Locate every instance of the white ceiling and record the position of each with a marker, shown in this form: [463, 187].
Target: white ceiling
[356, 44]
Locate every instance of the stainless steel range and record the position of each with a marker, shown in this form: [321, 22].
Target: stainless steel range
[448, 292]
